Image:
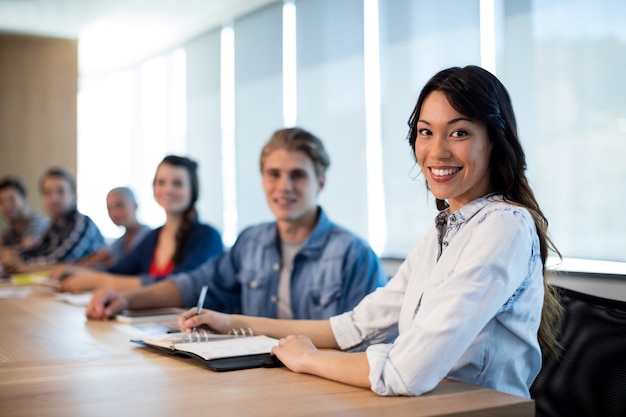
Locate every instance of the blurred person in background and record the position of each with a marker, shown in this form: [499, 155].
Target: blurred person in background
[25, 226]
[181, 244]
[70, 236]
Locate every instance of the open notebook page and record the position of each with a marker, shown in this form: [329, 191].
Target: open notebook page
[217, 346]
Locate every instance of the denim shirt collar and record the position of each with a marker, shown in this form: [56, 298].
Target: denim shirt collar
[467, 211]
[313, 244]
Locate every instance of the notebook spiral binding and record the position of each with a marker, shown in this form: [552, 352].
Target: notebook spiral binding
[204, 336]
[241, 332]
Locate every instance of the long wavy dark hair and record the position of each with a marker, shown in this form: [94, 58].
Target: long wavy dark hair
[480, 96]
[190, 215]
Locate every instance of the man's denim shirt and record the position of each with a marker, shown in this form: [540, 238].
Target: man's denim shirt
[332, 272]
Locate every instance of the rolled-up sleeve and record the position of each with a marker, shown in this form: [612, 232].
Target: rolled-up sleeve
[383, 375]
[346, 333]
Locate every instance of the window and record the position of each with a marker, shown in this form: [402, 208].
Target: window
[563, 64]
[127, 122]
[350, 71]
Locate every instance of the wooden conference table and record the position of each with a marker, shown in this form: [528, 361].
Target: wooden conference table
[54, 362]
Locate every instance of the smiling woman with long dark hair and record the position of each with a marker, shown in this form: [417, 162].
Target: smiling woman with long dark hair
[471, 302]
[180, 245]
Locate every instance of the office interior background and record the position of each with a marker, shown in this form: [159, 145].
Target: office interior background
[350, 72]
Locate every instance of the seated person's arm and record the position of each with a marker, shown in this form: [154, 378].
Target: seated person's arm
[64, 270]
[12, 263]
[9, 259]
[87, 280]
[121, 276]
[28, 242]
[100, 257]
[318, 330]
[106, 303]
[298, 353]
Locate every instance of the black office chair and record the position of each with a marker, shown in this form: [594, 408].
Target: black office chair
[590, 378]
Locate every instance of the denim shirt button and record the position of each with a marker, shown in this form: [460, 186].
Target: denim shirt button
[276, 266]
[452, 218]
[445, 243]
[253, 284]
[273, 298]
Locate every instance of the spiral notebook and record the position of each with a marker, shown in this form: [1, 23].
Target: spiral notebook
[218, 352]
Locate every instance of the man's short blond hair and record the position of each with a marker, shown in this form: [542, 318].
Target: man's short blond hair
[296, 139]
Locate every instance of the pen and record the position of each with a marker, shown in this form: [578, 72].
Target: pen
[201, 301]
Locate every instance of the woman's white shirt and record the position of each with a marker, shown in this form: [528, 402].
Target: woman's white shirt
[464, 305]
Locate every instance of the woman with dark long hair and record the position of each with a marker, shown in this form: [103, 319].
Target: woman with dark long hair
[180, 245]
[471, 301]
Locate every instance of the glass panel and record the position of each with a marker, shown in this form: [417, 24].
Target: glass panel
[204, 134]
[418, 38]
[563, 62]
[258, 105]
[331, 102]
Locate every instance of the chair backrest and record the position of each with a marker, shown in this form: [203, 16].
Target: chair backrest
[590, 377]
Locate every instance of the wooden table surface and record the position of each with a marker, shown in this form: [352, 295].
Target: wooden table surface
[55, 362]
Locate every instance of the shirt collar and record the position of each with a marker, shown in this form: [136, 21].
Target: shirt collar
[467, 211]
[313, 243]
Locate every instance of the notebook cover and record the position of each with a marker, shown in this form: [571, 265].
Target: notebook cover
[261, 360]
